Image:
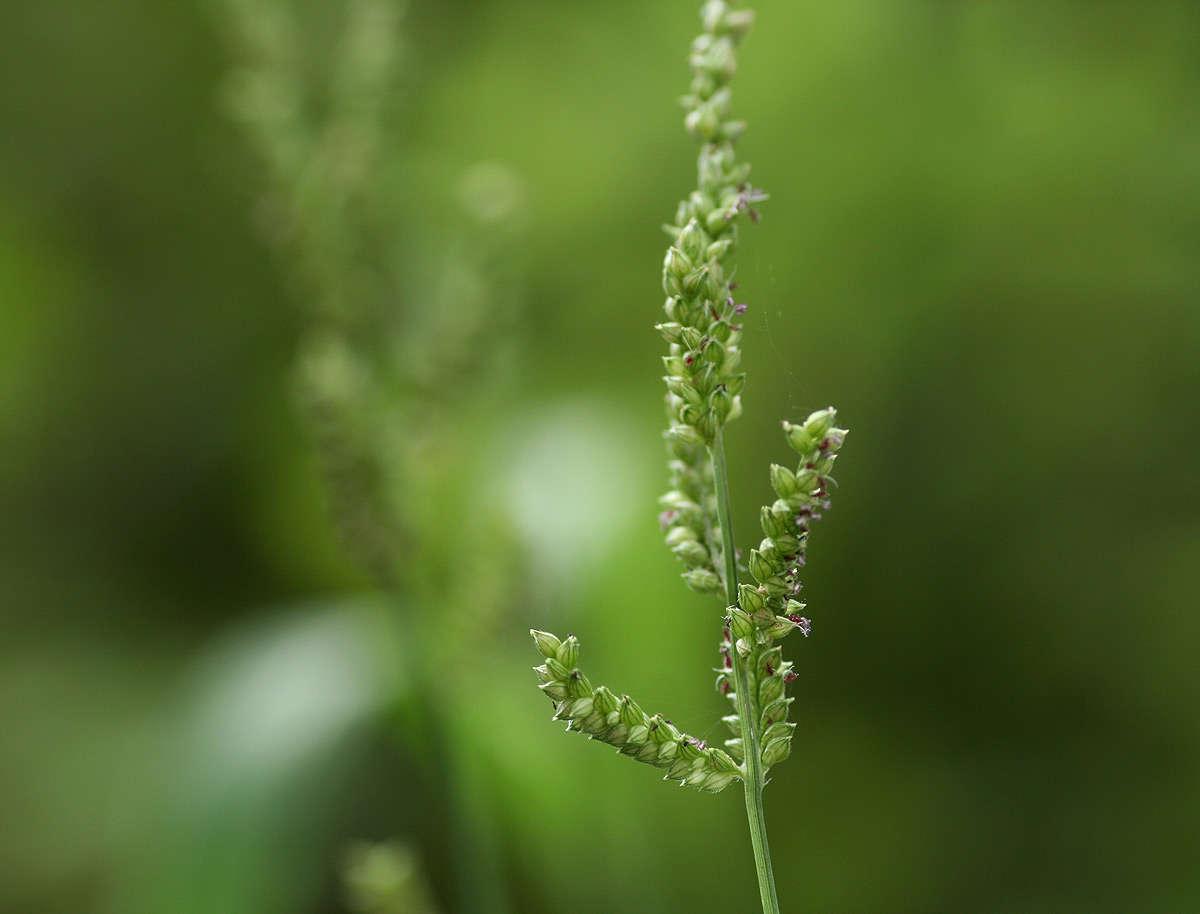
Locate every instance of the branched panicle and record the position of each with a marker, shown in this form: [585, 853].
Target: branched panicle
[620, 722]
[704, 385]
[703, 326]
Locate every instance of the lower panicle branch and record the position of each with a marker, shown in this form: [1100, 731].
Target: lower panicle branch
[621, 723]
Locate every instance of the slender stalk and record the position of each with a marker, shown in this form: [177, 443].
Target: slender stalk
[747, 713]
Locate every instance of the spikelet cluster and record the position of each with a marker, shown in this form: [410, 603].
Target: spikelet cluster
[703, 329]
[770, 610]
[620, 722]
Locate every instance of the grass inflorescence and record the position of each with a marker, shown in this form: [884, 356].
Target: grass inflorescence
[705, 381]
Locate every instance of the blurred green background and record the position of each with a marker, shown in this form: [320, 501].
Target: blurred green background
[981, 245]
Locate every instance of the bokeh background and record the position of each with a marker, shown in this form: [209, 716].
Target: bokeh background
[326, 371]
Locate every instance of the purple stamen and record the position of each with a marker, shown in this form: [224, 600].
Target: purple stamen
[803, 624]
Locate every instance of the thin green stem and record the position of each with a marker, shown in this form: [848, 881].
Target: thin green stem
[747, 713]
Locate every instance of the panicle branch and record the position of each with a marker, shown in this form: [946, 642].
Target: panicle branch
[703, 326]
[769, 610]
[620, 722]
